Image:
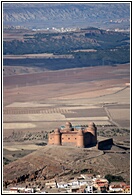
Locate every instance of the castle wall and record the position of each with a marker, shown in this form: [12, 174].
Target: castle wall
[57, 139]
[72, 139]
[69, 139]
[80, 141]
[51, 139]
[89, 139]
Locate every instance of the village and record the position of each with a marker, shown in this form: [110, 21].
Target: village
[85, 183]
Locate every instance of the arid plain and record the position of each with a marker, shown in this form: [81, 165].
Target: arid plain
[38, 102]
[45, 100]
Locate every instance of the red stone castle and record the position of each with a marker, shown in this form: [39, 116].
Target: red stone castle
[84, 137]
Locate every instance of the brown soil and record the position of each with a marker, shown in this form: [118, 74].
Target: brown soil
[62, 162]
[48, 99]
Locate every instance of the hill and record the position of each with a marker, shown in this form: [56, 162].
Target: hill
[62, 50]
[63, 163]
[47, 15]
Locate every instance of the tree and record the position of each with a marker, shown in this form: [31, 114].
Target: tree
[112, 178]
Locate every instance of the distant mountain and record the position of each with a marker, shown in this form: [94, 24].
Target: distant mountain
[47, 15]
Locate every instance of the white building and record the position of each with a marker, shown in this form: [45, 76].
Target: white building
[115, 189]
[89, 189]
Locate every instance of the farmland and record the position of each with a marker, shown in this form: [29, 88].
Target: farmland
[37, 103]
[43, 101]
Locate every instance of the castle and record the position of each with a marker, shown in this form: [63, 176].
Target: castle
[84, 137]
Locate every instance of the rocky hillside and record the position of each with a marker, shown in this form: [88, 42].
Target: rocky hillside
[62, 163]
[46, 15]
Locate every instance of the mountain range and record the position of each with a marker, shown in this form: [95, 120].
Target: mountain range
[48, 15]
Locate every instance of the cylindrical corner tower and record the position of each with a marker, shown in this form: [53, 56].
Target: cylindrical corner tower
[93, 130]
[80, 139]
[57, 137]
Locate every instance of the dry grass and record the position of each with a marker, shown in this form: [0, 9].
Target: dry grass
[18, 125]
[120, 114]
[49, 162]
[15, 146]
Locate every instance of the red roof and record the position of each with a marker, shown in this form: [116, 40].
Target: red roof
[101, 181]
[116, 186]
[127, 186]
[101, 184]
[13, 189]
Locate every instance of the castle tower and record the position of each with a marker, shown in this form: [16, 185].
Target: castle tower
[93, 130]
[57, 137]
[68, 126]
[80, 139]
